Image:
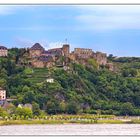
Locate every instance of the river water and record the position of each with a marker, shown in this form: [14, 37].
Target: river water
[72, 129]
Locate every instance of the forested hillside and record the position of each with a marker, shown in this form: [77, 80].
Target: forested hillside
[81, 89]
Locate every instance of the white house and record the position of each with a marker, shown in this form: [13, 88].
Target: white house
[2, 94]
[3, 51]
[50, 80]
[20, 105]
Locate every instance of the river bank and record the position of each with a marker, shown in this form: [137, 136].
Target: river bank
[103, 121]
[70, 119]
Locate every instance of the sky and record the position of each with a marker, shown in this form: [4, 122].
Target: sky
[107, 28]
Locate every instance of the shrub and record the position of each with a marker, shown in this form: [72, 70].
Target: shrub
[24, 111]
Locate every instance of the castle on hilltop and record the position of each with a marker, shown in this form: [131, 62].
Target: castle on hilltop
[47, 58]
[62, 56]
[38, 57]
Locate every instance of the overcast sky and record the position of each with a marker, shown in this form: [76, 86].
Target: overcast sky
[111, 29]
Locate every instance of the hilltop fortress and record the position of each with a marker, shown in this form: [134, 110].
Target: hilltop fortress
[62, 56]
[38, 57]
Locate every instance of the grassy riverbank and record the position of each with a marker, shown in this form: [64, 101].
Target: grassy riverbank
[29, 122]
[70, 119]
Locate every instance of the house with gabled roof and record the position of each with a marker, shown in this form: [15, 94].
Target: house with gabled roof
[3, 51]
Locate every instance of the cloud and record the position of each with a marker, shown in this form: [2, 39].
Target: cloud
[9, 9]
[27, 43]
[12, 9]
[54, 45]
[23, 42]
[109, 17]
[40, 28]
[6, 10]
[109, 9]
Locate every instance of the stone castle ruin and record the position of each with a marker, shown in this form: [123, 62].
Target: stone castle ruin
[100, 57]
[46, 58]
[62, 56]
[38, 57]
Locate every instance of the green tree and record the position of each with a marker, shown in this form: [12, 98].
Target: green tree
[52, 107]
[3, 82]
[62, 107]
[72, 108]
[127, 109]
[24, 112]
[29, 97]
[3, 113]
[92, 62]
[36, 109]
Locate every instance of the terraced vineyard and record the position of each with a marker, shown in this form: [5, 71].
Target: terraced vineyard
[38, 75]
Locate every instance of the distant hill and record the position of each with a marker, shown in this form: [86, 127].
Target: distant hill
[76, 88]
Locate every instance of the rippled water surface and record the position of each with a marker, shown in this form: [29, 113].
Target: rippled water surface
[72, 129]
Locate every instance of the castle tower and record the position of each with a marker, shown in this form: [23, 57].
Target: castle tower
[66, 49]
[36, 50]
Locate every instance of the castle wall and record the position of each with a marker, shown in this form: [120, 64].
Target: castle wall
[49, 64]
[56, 52]
[38, 64]
[101, 58]
[66, 49]
[83, 53]
[72, 56]
[38, 53]
[34, 53]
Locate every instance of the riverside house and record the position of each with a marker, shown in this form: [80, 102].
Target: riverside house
[2, 96]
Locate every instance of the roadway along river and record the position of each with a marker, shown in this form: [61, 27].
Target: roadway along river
[72, 129]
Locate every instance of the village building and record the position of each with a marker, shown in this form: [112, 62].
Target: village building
[50, 80]
[20, 105]
[3, 51]
[2, 96]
